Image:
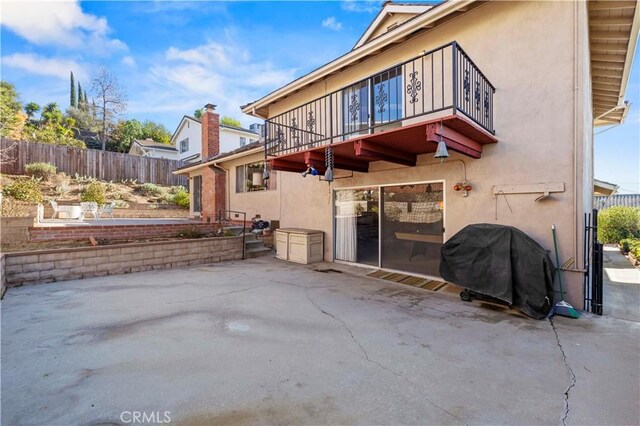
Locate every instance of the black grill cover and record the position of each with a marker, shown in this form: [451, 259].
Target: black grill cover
[501, 262]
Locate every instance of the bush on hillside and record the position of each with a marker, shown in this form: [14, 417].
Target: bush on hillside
[617, 223]
[94, 192]
[181, 198]
[631, 245]
[44, 171]
[151, 189]
[25, 190]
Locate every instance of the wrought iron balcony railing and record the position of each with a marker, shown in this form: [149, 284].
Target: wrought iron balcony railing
[438, 80]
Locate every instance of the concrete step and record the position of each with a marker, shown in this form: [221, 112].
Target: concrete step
[253, 243]
[250, 253]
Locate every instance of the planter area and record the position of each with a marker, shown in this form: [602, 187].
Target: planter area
[45, 266]
[116, 232]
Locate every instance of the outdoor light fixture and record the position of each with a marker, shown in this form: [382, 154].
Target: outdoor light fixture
[465, 187]
[441, 151]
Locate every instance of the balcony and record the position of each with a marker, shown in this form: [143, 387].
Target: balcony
[439, 95]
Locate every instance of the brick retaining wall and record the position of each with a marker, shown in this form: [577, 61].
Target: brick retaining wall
[15, 230]
[45, 266]
[115, 232]
[3, 277]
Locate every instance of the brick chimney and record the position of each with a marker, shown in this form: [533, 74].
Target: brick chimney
[214, 180]
[210, 122]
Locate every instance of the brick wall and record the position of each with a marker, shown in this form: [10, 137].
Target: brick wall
[134, 213]
[214, 190]
[46, 266]
[210, 122]
[115, 232]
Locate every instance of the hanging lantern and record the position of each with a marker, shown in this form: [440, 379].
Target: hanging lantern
[329, 163]
[441, 151]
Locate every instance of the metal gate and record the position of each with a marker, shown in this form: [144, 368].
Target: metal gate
[593, 263]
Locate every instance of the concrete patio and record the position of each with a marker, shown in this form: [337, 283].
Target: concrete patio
[268, 342]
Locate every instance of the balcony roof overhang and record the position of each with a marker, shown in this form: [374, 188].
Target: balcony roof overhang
[399, 145]
[613, 35]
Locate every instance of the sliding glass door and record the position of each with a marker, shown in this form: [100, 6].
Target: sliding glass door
[394, 227]
[356, 221]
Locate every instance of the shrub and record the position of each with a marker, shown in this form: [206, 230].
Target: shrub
[181, 199]
[150, 189]
[617, 223]
[176, 189]
[43, 171]
[62, 182]
[94, 192]
[25, 190]
[631, 245]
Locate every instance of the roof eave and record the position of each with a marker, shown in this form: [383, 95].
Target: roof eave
[432, 15]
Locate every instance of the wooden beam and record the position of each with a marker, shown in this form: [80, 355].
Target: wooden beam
[286, 166]
[608, 48]
[604, 88]
[340, 162]
[609, 35]
[597, 72]
[458, 145]
[607, 65]
[610, 5]
[434, 131]
[602, 21]
[601, 57]
[379, 152]
[612, 81]
[606, 94]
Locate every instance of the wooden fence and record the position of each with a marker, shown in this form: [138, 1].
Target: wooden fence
[109, 166]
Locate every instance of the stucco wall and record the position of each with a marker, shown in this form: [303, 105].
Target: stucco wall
[526, 49]
[264, 203]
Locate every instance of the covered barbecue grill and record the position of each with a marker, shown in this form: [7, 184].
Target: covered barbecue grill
[501, 262]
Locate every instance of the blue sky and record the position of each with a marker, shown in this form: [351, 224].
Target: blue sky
[174, 57]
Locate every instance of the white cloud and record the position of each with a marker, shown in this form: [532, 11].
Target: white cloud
[223, 74]
[362, 6]
[332, 23]
[53, 67]
[59, 23]
[129, 61]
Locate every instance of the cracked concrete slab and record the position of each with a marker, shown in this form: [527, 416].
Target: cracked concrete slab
[265, 342]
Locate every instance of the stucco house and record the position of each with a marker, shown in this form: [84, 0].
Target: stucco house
[187, 138]
[504, 95]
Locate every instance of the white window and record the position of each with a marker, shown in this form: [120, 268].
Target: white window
[184, 145]
[243, 141]
[249, 178]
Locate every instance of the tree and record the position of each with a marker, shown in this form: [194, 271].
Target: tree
[125, 132]
[79, 101]
[111, 100]
[155, 131]
[9, 109]
[72, 92]
[31, 108]
[228, 121]
[51, 113]
[85, 120]
[198, 113]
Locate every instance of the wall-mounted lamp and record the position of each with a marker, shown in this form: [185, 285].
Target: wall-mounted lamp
[465, 187]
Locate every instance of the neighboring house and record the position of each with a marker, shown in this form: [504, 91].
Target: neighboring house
[151, 148]
[602, 188]
[187, 138]
[229, 180]
[515, 111]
